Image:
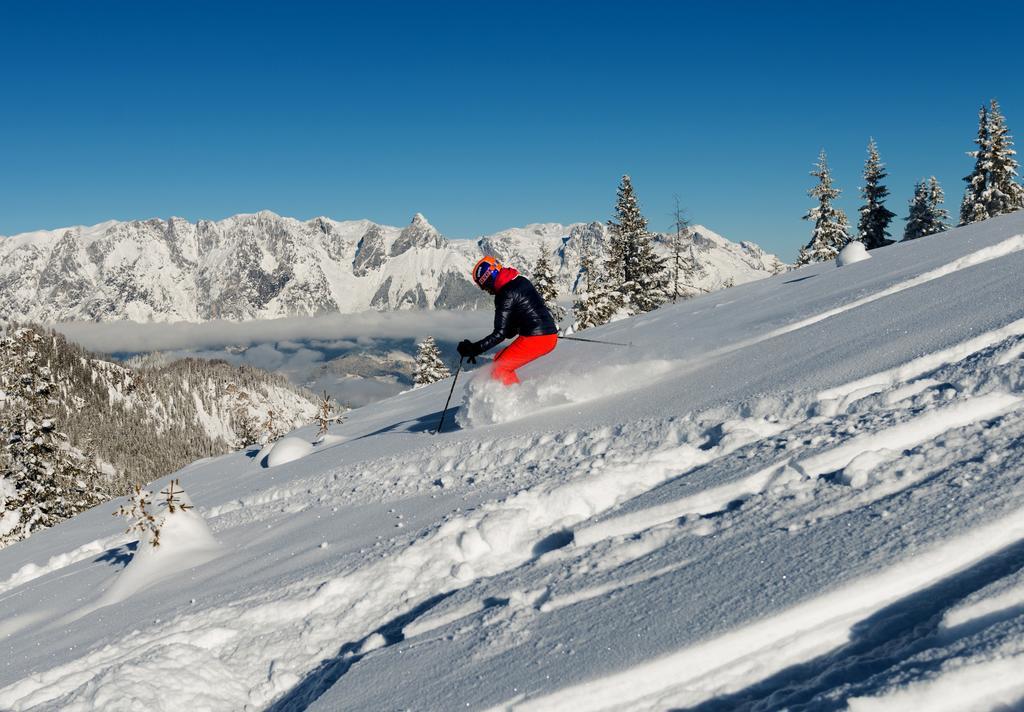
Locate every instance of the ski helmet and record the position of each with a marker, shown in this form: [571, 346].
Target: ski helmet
[486, 271]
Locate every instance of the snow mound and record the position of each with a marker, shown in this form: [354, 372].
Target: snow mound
[853, 252]
[488, 402]
[287, 450]
[185, 541]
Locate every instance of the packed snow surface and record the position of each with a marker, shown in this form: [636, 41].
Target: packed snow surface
[805, 492]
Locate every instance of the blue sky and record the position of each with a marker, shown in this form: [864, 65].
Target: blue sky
[488, 115]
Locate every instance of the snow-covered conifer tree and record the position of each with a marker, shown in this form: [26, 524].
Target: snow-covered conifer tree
[992, 187]
[917, 215]
[874, 216]
[927, 215]
[831, 230]
[547, 287]
[938, 213]
[582, 307]
[973, 208]
[633, 267]
[1003, 194]
[272, 429]
[429, 366]
[600, 299]
[245, 425]
[44, 479]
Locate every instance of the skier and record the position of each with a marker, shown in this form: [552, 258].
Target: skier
[519, 311]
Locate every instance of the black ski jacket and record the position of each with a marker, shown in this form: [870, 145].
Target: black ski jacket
[519, 310]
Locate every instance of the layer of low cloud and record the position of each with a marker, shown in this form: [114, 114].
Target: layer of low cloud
[120, 337]
[299, 348]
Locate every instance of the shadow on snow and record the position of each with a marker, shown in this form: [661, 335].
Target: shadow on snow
[422, 424]
[119, 556]
[329, 671]
[879, 643]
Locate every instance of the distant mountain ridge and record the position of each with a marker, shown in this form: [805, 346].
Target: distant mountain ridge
[263, 265]
[144, 420]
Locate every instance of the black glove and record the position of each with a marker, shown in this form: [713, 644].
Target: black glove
[468, 350]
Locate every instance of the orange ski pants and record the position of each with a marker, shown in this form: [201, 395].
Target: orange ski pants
[519, 353]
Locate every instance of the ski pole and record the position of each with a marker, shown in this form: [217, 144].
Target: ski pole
[594, 341]
[444, 412]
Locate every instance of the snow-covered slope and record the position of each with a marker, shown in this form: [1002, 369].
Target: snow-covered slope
[265, 266]
[804, 492]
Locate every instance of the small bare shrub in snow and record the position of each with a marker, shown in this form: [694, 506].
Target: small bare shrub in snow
[327, 412]
[173, 499]
[271, 428]
[142, 520]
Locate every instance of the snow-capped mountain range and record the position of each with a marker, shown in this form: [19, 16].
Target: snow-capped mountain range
[264, 265]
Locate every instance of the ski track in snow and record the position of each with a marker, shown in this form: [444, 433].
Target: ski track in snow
[30, 572]
[596, 501]
[725, 664]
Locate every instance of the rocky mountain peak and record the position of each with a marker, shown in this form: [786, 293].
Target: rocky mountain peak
[419, 233]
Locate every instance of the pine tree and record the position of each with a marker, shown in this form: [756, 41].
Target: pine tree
[327, 412]
[927, 215]
[547, 287]
[918, 214]
[599, 301]
[44, 480]
[588, 267]
[272, 429]
[874, 216]
[681, 227]
[429, 366]
[139, 517]
[973, 208]
[936, 200]
[596, 308]
[245, 425]
[149, 523]
[1004, 194]
[992, 187]
[684, 267]
[634, 269]
[831, 230]
[582, 312]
